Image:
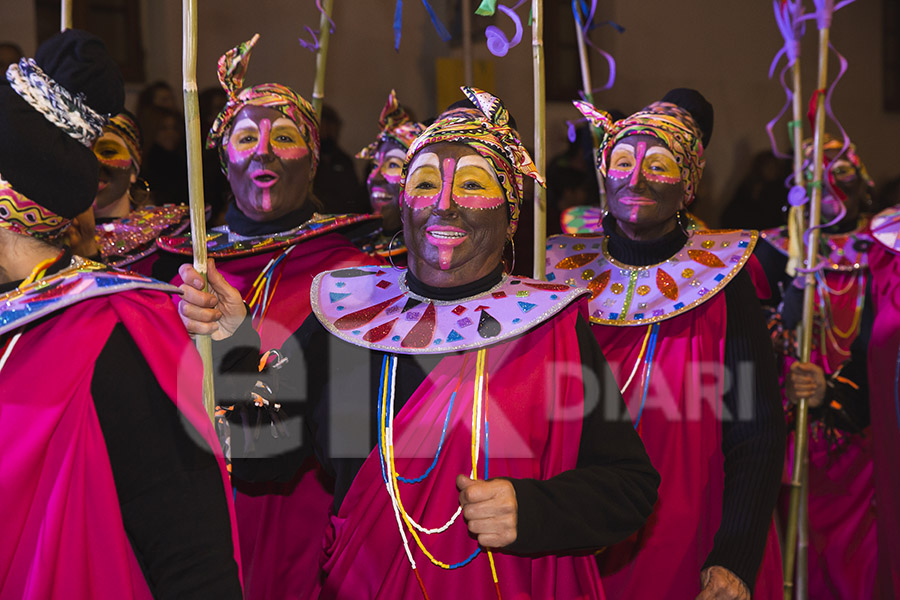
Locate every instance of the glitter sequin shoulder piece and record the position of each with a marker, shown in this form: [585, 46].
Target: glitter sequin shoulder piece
[129, 239]
[839, 251]
[81, 280]
[221, 242]
[623, 294]
[886, 228]
[372, 307]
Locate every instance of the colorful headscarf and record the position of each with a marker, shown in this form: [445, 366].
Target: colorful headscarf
[667, 122]
[232, 70]
[396, 126]
[487, 131]
[21, 215]
[832, 143]
[125, 126]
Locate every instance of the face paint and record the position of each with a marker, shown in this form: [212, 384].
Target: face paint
[423, 185]
[475, 184]
[268, 163]
[115, 176]
[111, 152]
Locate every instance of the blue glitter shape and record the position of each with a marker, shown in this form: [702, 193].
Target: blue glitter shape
[679, 306]
[551, 276]
[340, 308]
[516, 320]
[719, 277]
[340, 284]
[743, 244]
[356, 332]
[525, 306]
[638, 315]
[335, 296]
[437, 341]
[553, 297]
[396, 338]
[109, 281]
[613, 316]
[453, 336]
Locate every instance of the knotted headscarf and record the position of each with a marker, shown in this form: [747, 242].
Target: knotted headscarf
[232, 70]
[396, 126]
[673, 125]
[487, 131]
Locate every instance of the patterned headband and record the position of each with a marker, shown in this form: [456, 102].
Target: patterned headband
[487, 131]
[55, 102]
[396, 126]
[832, 143]
[232, 70]
[126, 128]
[669, 123]
[23, 216]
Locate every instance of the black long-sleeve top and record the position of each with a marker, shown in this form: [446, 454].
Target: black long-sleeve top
[169, 488]
[846, 403]
[753, 447]
[607, 496]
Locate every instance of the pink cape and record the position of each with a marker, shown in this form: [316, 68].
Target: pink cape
[884, 403]
[681, 429]
[63, 535]
[842, 551]
[281, 526]
[528, 439]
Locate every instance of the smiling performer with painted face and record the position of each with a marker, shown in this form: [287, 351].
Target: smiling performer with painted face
[112, 482]
[842, 500]
[388, 153]
[272, 246]
[462, 410]
[678, 319]
[126, 233]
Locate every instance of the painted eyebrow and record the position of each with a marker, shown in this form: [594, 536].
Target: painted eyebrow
[429, 158]
[244, 124]
[660, 150]
[395, 153]
[285, 122]
[477, 161]
[624, 146]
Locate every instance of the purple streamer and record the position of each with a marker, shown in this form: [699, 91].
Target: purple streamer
[322, 11]
[314, 45]
[497, 42]
[586, 26]
[770, 126]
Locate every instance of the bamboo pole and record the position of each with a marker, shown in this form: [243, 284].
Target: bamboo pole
[540, 138]
[65, 15]
[801, 433]
[587, 92]
[795, 214]
[468, 73]
[318, 95]
[195, 179]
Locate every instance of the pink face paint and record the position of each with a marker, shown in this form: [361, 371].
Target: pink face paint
[445, 238]
[479, 202]
[115, 163]
[447, 183]
[265, 129]
[638, 162]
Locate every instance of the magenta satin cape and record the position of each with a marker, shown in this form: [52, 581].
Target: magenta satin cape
[884, 350]
[63, 535]
[842, 551]
[530, 394]
[282, 526]
[680, 427]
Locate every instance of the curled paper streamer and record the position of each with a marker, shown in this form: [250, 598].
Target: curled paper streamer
[313, 46]
[497, 42]
[580, 7]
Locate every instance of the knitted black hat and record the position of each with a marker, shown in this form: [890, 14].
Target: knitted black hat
[41, 160]
[699, 107]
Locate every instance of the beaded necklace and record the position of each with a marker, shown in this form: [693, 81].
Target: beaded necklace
[386, 392]
[829, 328]
[39, 271]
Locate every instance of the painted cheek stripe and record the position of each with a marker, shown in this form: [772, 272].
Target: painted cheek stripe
[662, 178]
[292, 153]
[478, 202]
[115, 163]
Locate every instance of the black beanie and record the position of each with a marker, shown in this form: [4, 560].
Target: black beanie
[40, 160]
[699, 107]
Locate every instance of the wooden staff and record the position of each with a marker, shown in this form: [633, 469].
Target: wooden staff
[801, 432]
[65, 15]
[195, 179]
[587, 92]
[318, 95]
[540, 137]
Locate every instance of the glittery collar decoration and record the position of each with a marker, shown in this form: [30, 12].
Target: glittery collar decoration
[67, 112]
[886, 228]
[372, 307]
[488, 132]
[26, 217]
[837, 251]
[221, 242]
[81, 280]
[627, 295]
[667, 122]
[396, 125]
[129, 239]
[231, 72]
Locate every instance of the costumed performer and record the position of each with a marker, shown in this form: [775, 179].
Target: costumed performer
[462, 410]
[387, 153]
[676, 314]
[113, 483]
[842, 546]
[271, 247]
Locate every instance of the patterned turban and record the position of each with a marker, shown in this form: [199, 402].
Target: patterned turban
[832, 143]
[396, 126]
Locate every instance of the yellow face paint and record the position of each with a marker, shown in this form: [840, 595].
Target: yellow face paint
[475, 187]
[111, 151]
